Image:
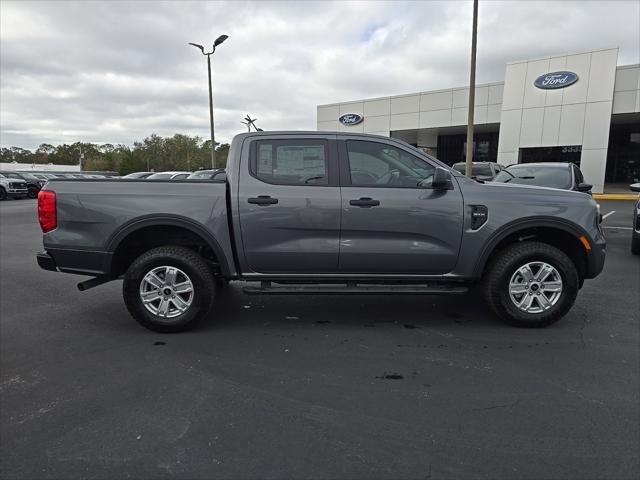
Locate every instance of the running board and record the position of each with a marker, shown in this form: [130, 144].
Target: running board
[267, 289]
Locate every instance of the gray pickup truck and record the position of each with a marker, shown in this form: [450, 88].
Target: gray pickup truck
[323, 213]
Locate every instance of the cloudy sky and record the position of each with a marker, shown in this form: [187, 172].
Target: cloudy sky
[118, 71]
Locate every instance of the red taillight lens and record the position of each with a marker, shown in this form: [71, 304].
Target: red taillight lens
[47, 215]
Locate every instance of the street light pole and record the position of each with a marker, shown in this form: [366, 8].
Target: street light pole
[472, 92]
[213, 137]
[218, 41]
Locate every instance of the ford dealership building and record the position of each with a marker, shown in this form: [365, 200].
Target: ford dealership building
[582, 108]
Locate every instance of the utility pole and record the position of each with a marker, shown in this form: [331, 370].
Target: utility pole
[472, 91]
[218, 41]
[81, 157]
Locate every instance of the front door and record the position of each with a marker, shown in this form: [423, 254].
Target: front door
[393, 222]
[289, 205]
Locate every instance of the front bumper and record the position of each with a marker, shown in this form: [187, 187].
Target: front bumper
[15, 193]
[595, 259]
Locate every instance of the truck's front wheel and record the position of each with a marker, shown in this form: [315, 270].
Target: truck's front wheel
[531, 284]
[168, 289]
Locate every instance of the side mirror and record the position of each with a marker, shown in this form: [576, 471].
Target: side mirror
[634, 187]
[584, 187]
[441, 179]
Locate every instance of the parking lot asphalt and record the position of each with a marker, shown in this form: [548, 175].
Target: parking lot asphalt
[315, 387]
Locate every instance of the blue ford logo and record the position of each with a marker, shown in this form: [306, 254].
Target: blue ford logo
[351, 119]
[549, 81]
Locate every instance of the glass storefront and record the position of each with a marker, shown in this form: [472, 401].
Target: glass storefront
[566, 153]
[453, 148]
[623, 155]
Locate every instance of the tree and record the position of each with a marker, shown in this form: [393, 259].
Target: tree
[180, 152]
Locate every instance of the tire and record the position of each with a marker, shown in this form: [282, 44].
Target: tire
[168, 310]
[3, 194]
[33, 193]
[635, 244]
[506, 276]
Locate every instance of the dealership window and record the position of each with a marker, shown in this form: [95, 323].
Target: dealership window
[291, 162]
[565, 153]
[623, 154]
[453, 148]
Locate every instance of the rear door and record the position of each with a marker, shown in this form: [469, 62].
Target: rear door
[289, 204]
[393, 222]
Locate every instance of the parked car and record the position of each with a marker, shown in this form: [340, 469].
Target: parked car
[483, 171]
[12, 188]
[565, 176]
[44, 176]
[169, 176]
[635, 234]
[206, 174]
[294, 219]
[34, 184]
[138, 175]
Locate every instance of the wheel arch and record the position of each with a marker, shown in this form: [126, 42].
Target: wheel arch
[553, 231]
[154, 223]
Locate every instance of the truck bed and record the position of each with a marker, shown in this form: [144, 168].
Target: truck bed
[94, 216]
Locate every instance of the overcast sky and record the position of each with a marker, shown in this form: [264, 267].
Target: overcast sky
[118, 71]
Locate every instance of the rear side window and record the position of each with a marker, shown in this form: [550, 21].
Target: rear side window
[291, 162]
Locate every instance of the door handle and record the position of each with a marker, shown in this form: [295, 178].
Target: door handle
[364, 202]
[263, 200]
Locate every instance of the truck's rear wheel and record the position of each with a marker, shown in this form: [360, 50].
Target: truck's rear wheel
[531, 284]
[168, 289]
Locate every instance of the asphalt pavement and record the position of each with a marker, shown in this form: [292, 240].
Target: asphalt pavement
[315, 387]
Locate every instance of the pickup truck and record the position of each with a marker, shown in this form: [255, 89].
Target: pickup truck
[323, 213]
[12, 187]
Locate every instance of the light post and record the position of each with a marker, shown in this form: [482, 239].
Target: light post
[472, 92]
[218, 41]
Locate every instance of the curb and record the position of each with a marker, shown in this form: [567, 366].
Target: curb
[615, 196]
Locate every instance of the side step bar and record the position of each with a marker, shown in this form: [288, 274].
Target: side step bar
[353, 289]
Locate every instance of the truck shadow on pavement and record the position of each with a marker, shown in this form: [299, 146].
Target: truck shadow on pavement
[368, 311]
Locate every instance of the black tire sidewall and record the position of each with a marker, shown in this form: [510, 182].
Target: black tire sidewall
[182, 258]
[3, 194]
[509, 312]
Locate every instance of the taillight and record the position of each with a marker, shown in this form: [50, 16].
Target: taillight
[47, 215]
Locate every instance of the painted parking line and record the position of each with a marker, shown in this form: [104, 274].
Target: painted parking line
[608, 214]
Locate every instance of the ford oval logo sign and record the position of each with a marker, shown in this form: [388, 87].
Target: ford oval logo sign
[349, 119]
[550, 81]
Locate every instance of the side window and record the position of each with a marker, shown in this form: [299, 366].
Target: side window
[373, 164]
[291, 162]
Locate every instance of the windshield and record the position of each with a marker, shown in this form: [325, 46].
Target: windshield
[29, 176]
[160, 176]
[136, 175]
[201, 175]
[541, 176]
